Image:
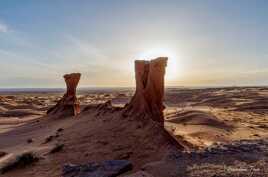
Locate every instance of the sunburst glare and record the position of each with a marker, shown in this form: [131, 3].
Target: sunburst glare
[173, 69]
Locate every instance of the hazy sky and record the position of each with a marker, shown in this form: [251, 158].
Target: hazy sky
[217, 42]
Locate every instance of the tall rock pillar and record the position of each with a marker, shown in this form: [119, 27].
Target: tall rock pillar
[148, 98]
[69, 104]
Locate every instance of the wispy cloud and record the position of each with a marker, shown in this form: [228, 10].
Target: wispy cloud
[77, 54]
[86, 49]
[3, 28]
[24, 64]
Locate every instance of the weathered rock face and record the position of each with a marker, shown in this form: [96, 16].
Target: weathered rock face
[148, 98]
[106, 168]
[68, 105]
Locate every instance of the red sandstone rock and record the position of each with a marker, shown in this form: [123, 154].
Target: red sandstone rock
[68, 105]
[149, 95]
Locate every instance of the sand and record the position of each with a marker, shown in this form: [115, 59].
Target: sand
[199, 119]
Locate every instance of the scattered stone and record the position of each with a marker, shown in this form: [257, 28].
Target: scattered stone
[57, 135]
[30, 140]
[60, 130]
[125, 155]
[108, 168]
[57, 148]
[49, 139]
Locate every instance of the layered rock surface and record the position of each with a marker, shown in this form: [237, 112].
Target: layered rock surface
[108, 168]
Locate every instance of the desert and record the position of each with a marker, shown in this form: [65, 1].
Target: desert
[133, 88]
[221, 132]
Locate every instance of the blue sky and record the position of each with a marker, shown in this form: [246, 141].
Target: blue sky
[222, 42]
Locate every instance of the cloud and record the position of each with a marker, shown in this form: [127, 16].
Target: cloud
[3, 28]
[77, 55]
[85, 49]
[20, 64]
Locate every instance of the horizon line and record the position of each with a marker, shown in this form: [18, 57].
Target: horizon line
[168, 86]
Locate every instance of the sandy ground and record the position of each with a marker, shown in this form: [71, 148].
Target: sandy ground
[206, 122]
[204, 117]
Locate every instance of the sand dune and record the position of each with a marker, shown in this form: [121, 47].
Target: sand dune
[195, 117]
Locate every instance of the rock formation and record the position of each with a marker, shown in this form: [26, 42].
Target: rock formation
[68, 105]
[148, 98]
[106, 168]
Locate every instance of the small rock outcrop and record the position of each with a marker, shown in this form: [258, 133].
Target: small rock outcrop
[106, 168]
[16, 161]
[69, 104]
[149, 95]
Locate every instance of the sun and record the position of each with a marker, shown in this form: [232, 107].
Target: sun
[172, 70]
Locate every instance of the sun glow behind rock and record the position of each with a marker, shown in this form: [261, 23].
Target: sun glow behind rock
[172, 70]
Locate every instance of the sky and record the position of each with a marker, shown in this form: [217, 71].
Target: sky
[208, 42]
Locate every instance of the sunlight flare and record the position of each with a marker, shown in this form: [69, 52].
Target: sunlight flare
[173, 70]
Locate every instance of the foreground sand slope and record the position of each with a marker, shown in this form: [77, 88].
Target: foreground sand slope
[86, 138]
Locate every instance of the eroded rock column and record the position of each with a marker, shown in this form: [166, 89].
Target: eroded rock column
[69, 104]
[149, 95]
